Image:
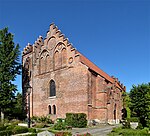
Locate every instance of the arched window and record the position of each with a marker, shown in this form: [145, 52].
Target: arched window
[52, 88]
[54, 109]
[50, 110]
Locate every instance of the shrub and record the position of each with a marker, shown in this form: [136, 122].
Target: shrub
[60, 120]
[139, 126]
[10, 127]
[134, 119]
[32, 130]
[14, 121]
[19, 129]
[146, 129]
[60, 126]
[76, 119]
[2, 127]
[116, 129]
[126, 124]
[34, 119]
[5, 133]
[40, 125]
[42, 119]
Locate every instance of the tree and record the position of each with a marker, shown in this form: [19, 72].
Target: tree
[15, 111]
[9, 68]
[140, 103]
[126, 104]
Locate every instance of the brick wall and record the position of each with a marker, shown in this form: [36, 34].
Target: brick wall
[80, 85]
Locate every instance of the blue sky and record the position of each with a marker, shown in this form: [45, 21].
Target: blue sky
[113, 34]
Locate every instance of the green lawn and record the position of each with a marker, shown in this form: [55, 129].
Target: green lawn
[129, 132]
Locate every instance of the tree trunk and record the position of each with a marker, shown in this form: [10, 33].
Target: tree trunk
[2, 116]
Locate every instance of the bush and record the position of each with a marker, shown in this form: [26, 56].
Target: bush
[126, 124]
[133, 119]
[42, 119]
[6, 133]
[139, 126]
[146, 129]
[60, 126]
[60, 120]
[76, 119]
[32, 130]
[10, 127]
[14, 122]
[40, 125]
[117, 130]
[19, 129]
[2, 127]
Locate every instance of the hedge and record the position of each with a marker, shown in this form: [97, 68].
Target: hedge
[76, 120]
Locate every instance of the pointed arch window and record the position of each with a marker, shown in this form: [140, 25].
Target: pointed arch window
[54, 109]
[50, 110]
[52, 88]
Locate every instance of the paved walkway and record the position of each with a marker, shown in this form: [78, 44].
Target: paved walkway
[101, 130]
[95, 131]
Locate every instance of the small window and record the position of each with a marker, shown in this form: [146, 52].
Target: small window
[54, 109]
[50, 110]
[52, 88]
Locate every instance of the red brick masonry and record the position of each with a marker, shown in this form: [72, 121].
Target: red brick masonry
[80, 85]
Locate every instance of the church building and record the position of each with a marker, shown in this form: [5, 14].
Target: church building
[64, 81]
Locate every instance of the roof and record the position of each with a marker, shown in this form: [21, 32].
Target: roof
[93, 67]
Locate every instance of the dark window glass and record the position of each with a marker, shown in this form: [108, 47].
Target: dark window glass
[52, 88]
[49, 108]
[54, 109]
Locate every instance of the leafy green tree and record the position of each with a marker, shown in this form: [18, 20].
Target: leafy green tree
[126, 104]
[18, 110]
[15, 111]
[9, 68]
[140, 103]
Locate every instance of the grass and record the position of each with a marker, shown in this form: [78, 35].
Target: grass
[129, 132]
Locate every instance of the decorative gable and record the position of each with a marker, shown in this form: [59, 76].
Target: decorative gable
[52, 53]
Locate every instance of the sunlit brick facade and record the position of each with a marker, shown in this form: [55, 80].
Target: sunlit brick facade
[63, 81]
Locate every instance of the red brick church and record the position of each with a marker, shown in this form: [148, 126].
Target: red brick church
[64, 81]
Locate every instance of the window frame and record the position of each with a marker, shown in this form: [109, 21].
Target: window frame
[52, 89]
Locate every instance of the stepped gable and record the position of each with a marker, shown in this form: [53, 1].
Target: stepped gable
[53, 38]
[27, 49]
